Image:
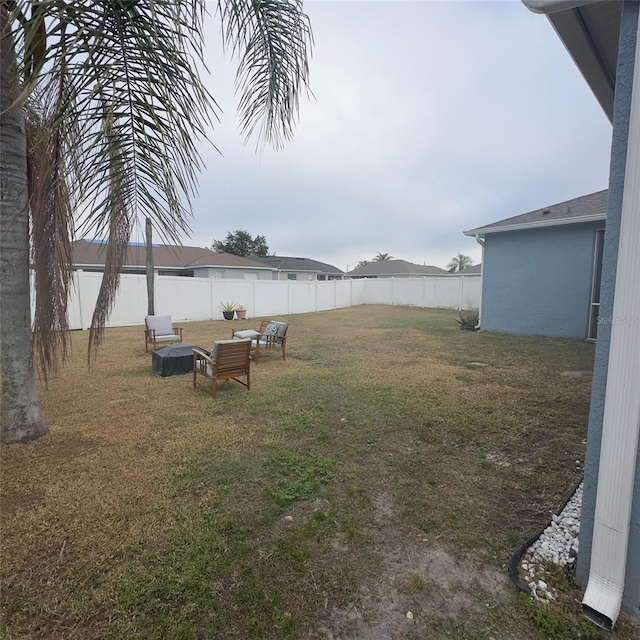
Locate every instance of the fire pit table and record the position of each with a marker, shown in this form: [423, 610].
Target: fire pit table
[173, 360]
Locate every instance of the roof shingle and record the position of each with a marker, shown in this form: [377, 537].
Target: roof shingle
[570, 211]
[164, 256]
[396, 268]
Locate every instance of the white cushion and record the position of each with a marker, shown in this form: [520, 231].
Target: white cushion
[160, 324]
[247, 333]
[270, 345]
[173, 336]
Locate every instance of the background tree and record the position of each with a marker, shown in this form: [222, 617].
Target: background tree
[105, 99]
[240, 243]
[382, 257]
[459, 263]
[363, 263]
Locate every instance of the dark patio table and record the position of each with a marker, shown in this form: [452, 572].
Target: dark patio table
[174, 359]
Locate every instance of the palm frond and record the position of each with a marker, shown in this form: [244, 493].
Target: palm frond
[51, 209]
[273, 41]
[137, 102]
[132, 109]
[119, 233]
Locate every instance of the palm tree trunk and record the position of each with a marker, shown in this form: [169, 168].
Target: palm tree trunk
[20, 415]
[150, 271]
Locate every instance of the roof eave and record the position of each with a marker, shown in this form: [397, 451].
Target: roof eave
[565, 18]
[539, 224]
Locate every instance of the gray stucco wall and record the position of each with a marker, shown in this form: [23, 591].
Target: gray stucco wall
[538, 281]
[624, 83]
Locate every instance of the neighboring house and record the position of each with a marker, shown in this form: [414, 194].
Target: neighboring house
[602, 38]
[470, 271]
[172, 260]
[305, 269]
[542, 269]
[395, 269]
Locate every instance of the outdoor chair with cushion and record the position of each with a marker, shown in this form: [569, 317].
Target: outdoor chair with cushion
[228, 360]
[250, 333]
[160, 331]
[272, 335]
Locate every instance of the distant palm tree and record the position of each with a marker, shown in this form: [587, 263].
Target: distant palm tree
[382, 257]
[459, 263]
[100, 106]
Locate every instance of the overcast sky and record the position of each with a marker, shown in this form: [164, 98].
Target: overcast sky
[428, 119]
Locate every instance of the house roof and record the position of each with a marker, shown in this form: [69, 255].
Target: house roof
[289, 263]
[396, 268]
[477, 268]
[588, 208]
[87, 252]
[590, 31]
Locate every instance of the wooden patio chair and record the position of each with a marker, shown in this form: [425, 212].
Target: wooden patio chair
[228, 360]
[250, 333]
[160, 331]
[272, 336]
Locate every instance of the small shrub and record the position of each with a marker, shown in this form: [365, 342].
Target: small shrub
[469, 320]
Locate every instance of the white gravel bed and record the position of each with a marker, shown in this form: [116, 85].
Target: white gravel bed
[558, 544]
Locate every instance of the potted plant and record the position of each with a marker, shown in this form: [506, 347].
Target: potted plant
[241, 312]
[228, 309]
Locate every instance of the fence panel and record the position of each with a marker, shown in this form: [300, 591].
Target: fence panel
[326, 299]
[184, 299]
[407, 291]
[272, 298]
[235, 291]
[202, 298]
[343, 293]
[471, 292]
[302, 297]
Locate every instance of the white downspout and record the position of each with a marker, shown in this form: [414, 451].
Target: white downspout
[480, 241]
[621, 421]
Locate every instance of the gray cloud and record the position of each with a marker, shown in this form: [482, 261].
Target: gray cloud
[429, 118]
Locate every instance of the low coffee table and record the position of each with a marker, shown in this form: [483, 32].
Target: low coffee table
[174, 359]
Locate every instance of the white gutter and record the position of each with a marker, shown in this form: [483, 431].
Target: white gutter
[551, 6]
[480, 241]
[621, 422]
[537, 224]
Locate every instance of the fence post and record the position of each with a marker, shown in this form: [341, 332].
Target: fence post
[211, 297]
[255, 313]
[76, 282]
[461, 281]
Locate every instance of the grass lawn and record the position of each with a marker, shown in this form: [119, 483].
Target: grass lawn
[390, 465]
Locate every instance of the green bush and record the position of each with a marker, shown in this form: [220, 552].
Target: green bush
[469, 320]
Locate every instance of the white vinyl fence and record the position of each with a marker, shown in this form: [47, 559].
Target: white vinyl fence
[188, 299]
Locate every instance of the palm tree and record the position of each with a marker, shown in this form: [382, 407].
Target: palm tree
[459, 262]
[100, 105]
[381, 257]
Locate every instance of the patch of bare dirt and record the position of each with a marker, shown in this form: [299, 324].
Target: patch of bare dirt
[417, 585]
[423, 580]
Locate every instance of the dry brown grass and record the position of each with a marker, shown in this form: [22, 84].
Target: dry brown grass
[424, 449]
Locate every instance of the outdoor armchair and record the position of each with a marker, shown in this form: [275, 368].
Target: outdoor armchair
[160, 331]
[272, 336]
[228, 360]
